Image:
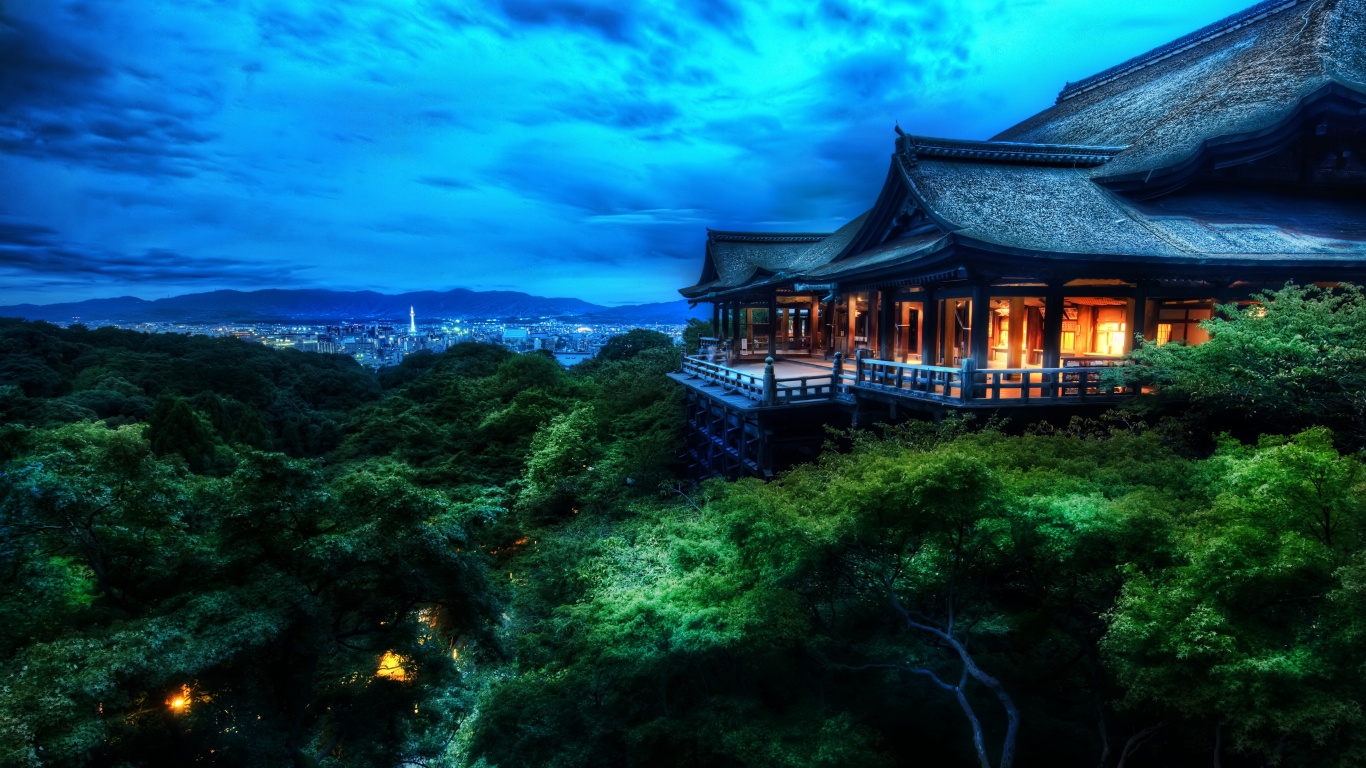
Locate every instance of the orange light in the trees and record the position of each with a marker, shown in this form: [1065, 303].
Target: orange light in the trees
[391, 666]
[179, 702]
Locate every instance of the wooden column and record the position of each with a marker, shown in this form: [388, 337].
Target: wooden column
[773, 325]
[885, 324]
[980, 314]
[1136, 319]
[929, 329]
[716, 319]
[815, 330]
[734, 328]
[850, 324]
[1015, 337]
[1052, 330]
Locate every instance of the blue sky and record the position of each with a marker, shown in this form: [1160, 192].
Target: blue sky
[560, 147]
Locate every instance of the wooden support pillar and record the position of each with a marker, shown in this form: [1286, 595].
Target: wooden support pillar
[773, 324]
[851, 324]
[885, 324]
[716, 319]
[1136, 319]
[1015, 336]
[734, 330]
[980, 321]
[929, 329]
[815, 330]
[1052, 329]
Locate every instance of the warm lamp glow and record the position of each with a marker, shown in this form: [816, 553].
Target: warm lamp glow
[179, 703]
[391, 666]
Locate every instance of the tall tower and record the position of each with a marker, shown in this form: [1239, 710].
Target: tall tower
[412, 320]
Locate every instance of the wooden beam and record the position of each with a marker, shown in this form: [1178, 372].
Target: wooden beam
[980, 322]
[772, 324]
[885, 322]
[929, 330]
[1136, 320]
[1052, 329]
[1015, 333]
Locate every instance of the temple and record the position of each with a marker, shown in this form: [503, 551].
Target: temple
[1006, 274]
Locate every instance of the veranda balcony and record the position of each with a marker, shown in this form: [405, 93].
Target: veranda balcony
[783, 382]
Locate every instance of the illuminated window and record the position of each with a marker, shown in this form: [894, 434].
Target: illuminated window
[1183, 324]
[1110, 338]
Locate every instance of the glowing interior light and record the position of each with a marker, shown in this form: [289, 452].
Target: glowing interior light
[391, 666]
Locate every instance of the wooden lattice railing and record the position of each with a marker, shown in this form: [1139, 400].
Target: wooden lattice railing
[953, 386]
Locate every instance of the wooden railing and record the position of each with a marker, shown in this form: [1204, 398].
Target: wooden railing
[764, 388]
[804, 389]
[1008, 386]
[923, 382]
[739, 382]
[952, 386]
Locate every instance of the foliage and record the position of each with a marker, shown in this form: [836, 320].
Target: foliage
[289, 400]
[693, 334]
[632, 343]
[1294, 358]
[235, 620]
[941, 594]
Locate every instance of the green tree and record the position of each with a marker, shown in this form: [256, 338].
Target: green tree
[173, 427]
[1238, 632]
[693, 334]
[632, 343]
[1295, 358]
[271, 617]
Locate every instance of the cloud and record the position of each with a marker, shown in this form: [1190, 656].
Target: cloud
[568, 146]
[64, 100]
[441, 182]
[610, 20]
[35, 256]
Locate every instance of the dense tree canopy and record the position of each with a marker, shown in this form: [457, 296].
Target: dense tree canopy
[216, 553]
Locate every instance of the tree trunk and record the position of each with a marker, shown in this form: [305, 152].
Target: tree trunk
[1136, 743]
[1103, 728]
[971, 669]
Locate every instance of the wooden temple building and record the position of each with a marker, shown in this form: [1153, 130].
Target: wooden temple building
[1005, 274]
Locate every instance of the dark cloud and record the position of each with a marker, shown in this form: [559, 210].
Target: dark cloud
[32, 255]
[579, 146]
[60, 99]
[38, 69]
[442, 182]
[629, 112]
[610, 20]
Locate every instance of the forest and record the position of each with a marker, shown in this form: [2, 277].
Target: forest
[215, 553]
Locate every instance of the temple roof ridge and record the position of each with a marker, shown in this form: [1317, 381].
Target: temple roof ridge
[1007, 151]
[714, 235]
[1201, 36]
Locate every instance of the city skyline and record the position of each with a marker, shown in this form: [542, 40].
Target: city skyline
[561, 148]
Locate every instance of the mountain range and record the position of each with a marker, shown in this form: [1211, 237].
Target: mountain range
[322, 306]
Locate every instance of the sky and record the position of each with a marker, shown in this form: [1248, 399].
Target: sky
[569, 148]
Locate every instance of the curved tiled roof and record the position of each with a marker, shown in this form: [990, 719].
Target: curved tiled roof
[1237, 77]
[1062, 211]
[1040, 188]
[1008, 152]
[740, 257]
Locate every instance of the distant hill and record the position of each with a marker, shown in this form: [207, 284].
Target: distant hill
[669, 312]
[334, 306]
